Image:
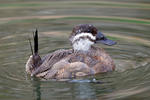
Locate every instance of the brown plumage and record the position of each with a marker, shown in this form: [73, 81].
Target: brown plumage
[71, 63]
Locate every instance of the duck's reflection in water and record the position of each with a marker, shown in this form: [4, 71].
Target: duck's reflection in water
[84, 91]
[74, 90]
[36, 88]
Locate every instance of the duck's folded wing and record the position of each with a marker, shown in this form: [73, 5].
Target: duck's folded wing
[50, 59]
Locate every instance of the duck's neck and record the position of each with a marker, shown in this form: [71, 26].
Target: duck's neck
[82, 45]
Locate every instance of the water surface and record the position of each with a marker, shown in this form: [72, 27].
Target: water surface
[124, 21]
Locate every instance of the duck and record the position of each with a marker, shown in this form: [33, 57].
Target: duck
[84, 59]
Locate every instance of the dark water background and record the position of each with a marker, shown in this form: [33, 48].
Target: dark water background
[125, 21]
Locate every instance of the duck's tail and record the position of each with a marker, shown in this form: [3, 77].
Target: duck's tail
[35, 36]
[35, 60]
[30, 45]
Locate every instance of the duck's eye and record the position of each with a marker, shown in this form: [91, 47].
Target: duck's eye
[102, 38]
[89, 31]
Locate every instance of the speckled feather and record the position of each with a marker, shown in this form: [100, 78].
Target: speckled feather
[67, 64]
[79, 61]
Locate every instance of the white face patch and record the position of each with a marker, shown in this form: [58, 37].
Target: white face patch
[83, 44]
[84, 35]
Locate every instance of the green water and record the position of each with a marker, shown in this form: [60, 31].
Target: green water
[125, 21]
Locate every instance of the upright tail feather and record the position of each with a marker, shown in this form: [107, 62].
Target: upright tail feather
[30, 45]
[36, 42]
[35, 60]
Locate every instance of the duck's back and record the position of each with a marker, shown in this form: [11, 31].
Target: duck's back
[96, 58]
[82, 63]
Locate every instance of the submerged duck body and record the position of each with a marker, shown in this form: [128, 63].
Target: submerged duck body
[84, 59]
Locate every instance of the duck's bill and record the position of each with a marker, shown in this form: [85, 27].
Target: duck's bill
[100, 38]
[106, 42]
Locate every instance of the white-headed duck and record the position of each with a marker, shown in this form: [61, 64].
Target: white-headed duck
[84, 59]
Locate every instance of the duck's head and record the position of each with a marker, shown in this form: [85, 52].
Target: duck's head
[85, 35]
